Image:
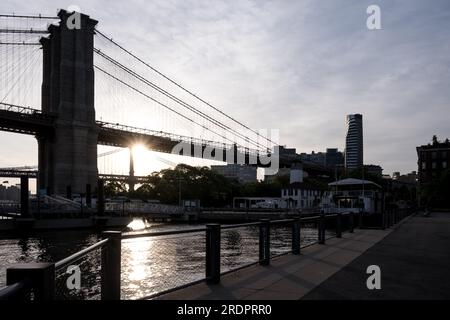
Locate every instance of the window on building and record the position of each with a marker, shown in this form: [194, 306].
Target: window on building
[434, 155]
[444, 154]
[433, 165]
[424, 165]
[444, 164]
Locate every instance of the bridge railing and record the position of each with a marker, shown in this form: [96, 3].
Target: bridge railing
[101, 262]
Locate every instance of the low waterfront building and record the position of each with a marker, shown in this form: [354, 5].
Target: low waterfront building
[301, 194]
[432, 160]
[258, 203]
[354, 195]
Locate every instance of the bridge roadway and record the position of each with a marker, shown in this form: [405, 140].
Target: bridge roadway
[31, 121]
[413, 257]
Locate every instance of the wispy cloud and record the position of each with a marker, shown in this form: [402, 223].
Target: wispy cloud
[299, 66]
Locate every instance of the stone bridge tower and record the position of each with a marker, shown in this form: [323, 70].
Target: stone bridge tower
[68, 158]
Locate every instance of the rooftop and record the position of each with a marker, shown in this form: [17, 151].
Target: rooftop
[352, 182]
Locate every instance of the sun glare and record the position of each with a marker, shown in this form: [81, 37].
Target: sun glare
[139, 150]
[137, 224]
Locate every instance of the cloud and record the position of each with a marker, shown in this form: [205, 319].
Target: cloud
[299, 66]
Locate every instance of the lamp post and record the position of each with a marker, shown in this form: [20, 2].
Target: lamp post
[336, 183]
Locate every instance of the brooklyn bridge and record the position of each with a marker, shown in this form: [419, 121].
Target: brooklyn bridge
[84, 71]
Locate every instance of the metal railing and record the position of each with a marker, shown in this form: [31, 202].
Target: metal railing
[38, 280]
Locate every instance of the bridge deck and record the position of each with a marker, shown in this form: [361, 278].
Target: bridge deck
[288, 277]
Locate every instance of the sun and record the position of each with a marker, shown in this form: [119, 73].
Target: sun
[139, 151]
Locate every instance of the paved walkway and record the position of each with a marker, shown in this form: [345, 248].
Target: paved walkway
[414, 262]
[289, 276]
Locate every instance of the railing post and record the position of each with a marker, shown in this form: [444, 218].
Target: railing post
[111, 261]
[296, 237]
[42, 276]
[339, 225]
[351, 221]
[264, 242]
[321, 229]
[213, 253]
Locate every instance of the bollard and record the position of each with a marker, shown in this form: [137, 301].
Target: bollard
[321, 229]
[42, 276]
[212, 253]
[339, 225]
[264, 242]
[296, 237]
[111, 261]
[351, 221]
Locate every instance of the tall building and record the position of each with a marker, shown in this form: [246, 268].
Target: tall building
[242, 173]
[11, 193]
[354, 142]
[332, 157]
[316, 157]
[374, 170]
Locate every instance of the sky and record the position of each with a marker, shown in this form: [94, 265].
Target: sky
[297, 66]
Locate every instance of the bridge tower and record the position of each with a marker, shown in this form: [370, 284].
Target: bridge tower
[68, 158]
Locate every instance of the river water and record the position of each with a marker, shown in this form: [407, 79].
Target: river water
[149, 265]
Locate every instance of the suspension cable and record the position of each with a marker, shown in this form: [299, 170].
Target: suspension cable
[179, 101]
[180, 86]
[163, 105]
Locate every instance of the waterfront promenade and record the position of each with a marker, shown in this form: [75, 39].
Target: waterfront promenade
[413, 257]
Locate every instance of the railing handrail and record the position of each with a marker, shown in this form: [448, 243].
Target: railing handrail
[240, 225]
[232, 226]
[80, 253]
[16, 290]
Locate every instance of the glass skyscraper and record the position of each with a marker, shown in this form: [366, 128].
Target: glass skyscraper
[354, 142]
